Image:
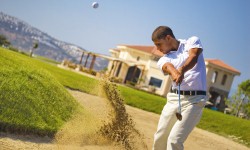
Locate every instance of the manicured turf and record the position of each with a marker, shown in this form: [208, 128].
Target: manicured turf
[142, 100]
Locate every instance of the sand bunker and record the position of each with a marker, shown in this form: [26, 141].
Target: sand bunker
[114, 128]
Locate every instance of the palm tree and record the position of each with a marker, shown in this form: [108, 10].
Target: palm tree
[35, 46]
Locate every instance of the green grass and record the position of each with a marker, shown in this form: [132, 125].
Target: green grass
[226, 125]
[31, 100]
[47, 60]
[212, 121]
[70, 79]
[142, 100]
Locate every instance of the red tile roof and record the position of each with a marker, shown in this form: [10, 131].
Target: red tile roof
[220, 63]
[148, 49]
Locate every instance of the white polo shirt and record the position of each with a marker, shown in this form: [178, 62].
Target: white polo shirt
[195, 78]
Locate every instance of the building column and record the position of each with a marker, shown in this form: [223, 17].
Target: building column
[81, 58]
[86, 61]
[92, 62]
[115, 69]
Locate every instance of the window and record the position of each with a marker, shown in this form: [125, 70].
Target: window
[214, 77]
[224, 79]
[155, 82]
[138, 58]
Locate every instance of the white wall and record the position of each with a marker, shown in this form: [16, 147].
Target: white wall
[218, 83]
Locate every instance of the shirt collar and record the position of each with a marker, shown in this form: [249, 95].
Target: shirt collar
[180, 45]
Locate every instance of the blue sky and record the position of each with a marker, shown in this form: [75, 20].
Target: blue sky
[222, 25]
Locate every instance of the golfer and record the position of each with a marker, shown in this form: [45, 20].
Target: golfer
[183, 61]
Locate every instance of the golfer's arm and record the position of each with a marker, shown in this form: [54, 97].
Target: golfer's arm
[169, 68]
[191, 61]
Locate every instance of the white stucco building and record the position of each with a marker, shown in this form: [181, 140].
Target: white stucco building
[137, 65]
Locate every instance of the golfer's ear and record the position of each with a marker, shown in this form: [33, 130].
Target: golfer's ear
[167, 37]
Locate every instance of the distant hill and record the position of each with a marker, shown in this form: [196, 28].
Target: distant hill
[23, 36]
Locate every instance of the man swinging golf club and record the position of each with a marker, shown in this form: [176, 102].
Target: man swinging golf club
[183, 61]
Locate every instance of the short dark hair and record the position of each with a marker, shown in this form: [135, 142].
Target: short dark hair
[161, 32]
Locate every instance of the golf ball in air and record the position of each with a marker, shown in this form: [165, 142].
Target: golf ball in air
[95, 5]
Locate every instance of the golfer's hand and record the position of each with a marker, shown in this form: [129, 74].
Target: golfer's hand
[177, 76]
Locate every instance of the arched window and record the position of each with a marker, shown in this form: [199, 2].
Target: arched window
[214, 77]
[224, 79]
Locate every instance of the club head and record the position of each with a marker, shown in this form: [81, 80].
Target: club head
[179, 116]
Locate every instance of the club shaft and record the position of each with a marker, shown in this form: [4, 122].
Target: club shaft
[179, 97]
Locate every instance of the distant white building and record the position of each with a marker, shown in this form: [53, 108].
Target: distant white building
[135, 64]
[219, 81]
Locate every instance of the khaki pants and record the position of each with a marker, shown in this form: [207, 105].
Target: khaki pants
[172, 133]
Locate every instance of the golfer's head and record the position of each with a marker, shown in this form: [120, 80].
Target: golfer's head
[161, 32]
[162, 38]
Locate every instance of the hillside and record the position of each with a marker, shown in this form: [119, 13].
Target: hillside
[23, 36]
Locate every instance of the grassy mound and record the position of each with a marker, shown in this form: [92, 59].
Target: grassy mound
[31, 99]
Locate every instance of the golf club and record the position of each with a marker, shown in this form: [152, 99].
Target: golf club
[178, 113]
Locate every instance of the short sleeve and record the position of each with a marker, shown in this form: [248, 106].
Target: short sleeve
[161, 62]
[194, 42]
